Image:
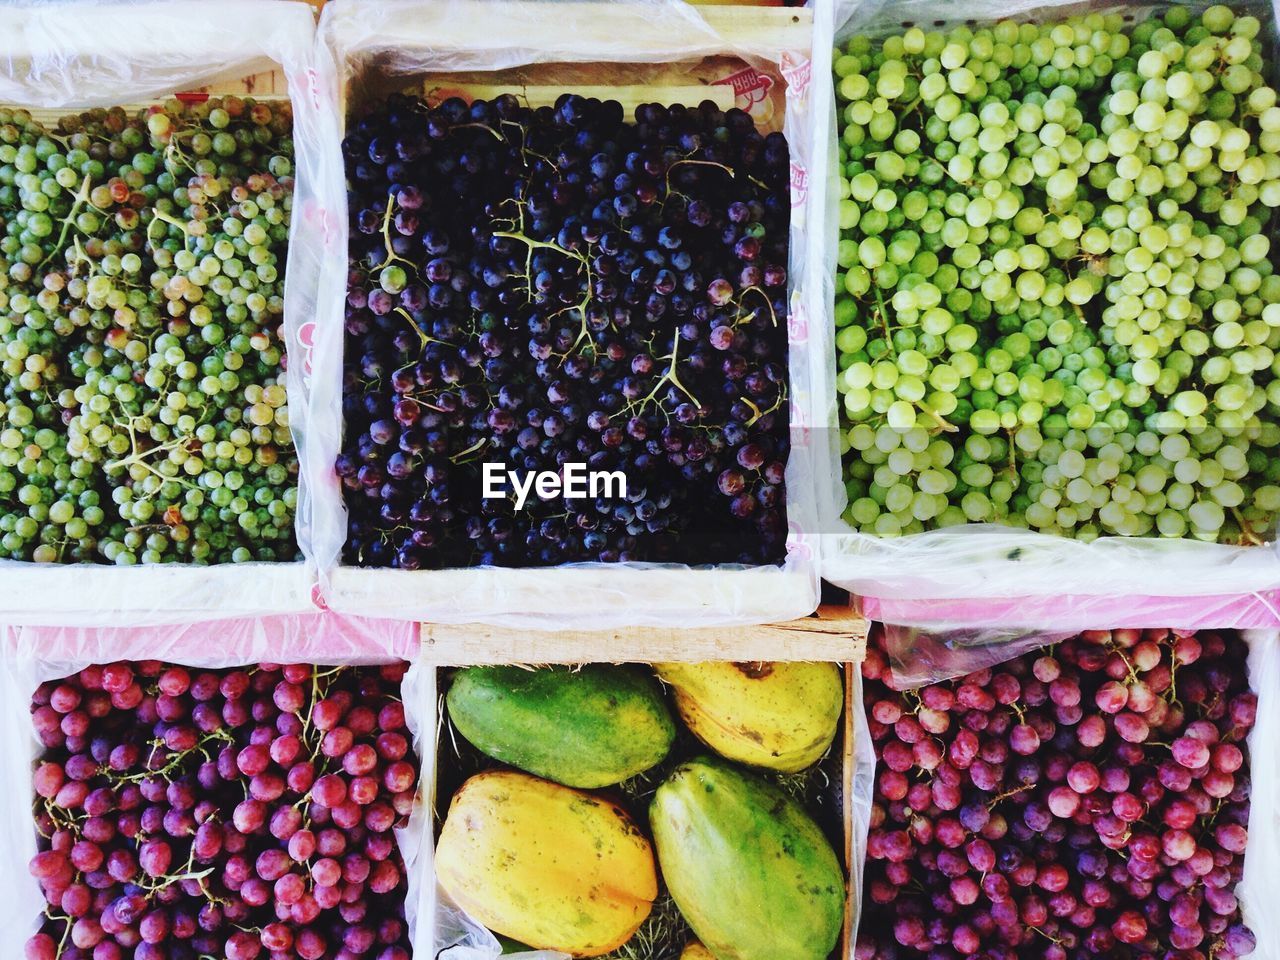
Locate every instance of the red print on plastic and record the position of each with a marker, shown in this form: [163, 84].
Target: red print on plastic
[799, 183]
[798, 544]
[798, 324]
[798, 72]
[307, 337]
[751, 91]
[317, 597]
[313, 84]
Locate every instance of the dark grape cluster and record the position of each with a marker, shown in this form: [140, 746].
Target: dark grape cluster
[533, 288]
[143, 414]
[1090, 800]
[237, 814]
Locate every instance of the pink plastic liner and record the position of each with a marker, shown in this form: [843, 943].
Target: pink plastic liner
[1071, 612]
[321, 637]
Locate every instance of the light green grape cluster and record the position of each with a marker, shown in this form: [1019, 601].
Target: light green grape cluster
[1056, 302]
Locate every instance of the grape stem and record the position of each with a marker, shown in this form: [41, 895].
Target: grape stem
[392, 256]
[159, 216]
[883, 316]
[943, 424]
[773, 315]
[480, 444]
[1007, 794]
[66, 931]
[417, 329]
[531, 244]
[707, 163]
[1246, 531]
[757, 413]
[81, 197]
[670, 376]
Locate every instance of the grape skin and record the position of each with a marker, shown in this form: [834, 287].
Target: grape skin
[1056, 305]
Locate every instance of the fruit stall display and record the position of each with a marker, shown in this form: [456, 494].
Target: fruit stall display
[1056, 310]
[144, 409]
[601, 810]
[560, 262]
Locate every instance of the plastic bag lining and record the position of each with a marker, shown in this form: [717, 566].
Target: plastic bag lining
[71, 56]
[405, 39]
[990, 560]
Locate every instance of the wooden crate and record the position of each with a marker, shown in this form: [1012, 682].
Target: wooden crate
[482, 27]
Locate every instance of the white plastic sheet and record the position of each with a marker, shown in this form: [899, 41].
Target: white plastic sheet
[80, 54]
[31, 655]
[399, 40]
[988, 561]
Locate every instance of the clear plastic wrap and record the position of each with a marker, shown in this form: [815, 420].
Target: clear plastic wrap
[397, 41]
[62, 57]
[918, 657]
[988, 561]
[31, 655]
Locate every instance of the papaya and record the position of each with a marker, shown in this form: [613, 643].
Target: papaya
[693, 950]
[549, 866]
[588, 727]
[749, 869]
[782, 716]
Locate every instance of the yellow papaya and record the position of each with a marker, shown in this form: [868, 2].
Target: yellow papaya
[694, 950]
[749, 869]
[782, 716]
[549, 866]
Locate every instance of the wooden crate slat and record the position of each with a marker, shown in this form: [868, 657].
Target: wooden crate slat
[630, 95]
[477, 25]
[837, 636]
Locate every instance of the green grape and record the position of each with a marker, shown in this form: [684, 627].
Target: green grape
[1099, 298]
[162, 270]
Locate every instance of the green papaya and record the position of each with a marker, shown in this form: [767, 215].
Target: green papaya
[582, 727]
[749, 869]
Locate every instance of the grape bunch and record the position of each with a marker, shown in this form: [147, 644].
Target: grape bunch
[232, 813]
[1058, 308]
[1088, 800]
[532, 288]
[143, 415]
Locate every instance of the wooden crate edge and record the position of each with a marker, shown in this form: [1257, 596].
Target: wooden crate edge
[834, 638]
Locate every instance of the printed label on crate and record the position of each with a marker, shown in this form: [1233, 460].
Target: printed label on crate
[798, 72]
[751, 90]
[573, 481]
[799, 183]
